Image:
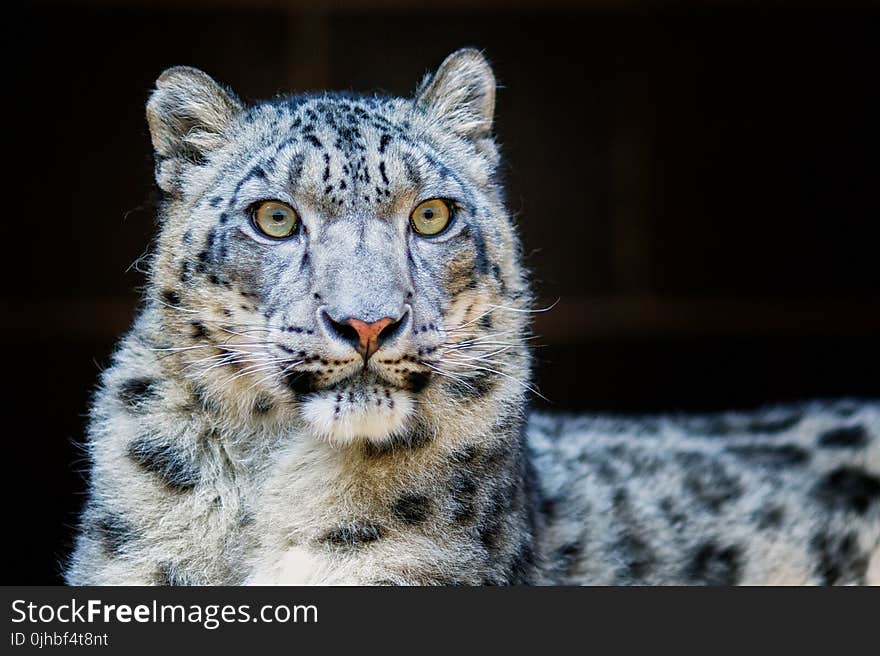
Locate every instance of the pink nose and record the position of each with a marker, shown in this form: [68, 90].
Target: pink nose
[368, 334]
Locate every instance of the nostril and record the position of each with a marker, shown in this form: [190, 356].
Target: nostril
[389, 331]
[343, 331]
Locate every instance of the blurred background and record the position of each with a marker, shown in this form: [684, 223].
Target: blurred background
[696, 182]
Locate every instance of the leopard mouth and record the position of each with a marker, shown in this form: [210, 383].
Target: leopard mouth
[308, 382]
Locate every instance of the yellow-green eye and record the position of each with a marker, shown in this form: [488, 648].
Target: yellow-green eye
[431, 217]
[276, 219]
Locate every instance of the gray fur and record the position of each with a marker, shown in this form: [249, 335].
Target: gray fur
[237, 439]
[758, 498]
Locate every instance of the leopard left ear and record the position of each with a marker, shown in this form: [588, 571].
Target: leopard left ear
[461, 93]
[188, 113]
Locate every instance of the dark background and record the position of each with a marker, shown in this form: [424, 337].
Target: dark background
[696, 182]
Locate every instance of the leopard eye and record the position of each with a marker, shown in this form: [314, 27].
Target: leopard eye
[431, 217]
[276, 219]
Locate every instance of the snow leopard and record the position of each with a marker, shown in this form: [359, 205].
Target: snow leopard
[329, 381]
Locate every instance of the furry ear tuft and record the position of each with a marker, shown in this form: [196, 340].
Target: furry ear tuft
[461, 93]
[188, 113]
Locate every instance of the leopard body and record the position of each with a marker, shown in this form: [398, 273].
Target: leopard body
[240, 436]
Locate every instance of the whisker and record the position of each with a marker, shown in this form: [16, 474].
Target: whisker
[441, 372]
[525, 385]
[482, 336]
[156, 299]
[493, 308]
[527, 310]
[244, 333]
[454, 346]
[460, 358]
[241, 360]
[472, 321]
[254, 369]
[219, 359]
[222, 345]
[280, 374]
[495, 363]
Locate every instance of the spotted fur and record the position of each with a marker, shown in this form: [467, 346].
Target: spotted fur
[786, 495]
[240, 437]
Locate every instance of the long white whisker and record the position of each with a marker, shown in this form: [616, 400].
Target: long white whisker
[244, 333]
[493, 308]
[259, 362]
[253, 369]
[494, 363]
[223, 345]
[479, 345]
[219, 359]
[169, 305]
[238, 360]
[486, 336]
[280, 374]
[501, 373]
[527, 310]
[458, 379]
[472, 321]
[462, 358]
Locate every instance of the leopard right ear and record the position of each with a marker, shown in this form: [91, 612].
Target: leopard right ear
[188, 114]
[461, 94]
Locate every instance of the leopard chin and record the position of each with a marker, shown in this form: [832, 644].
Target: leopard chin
[353, 412]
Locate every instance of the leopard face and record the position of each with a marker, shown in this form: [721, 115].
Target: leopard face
[338, 253]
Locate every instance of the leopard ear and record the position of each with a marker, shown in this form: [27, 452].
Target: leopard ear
[461, 93]
[188, 114]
